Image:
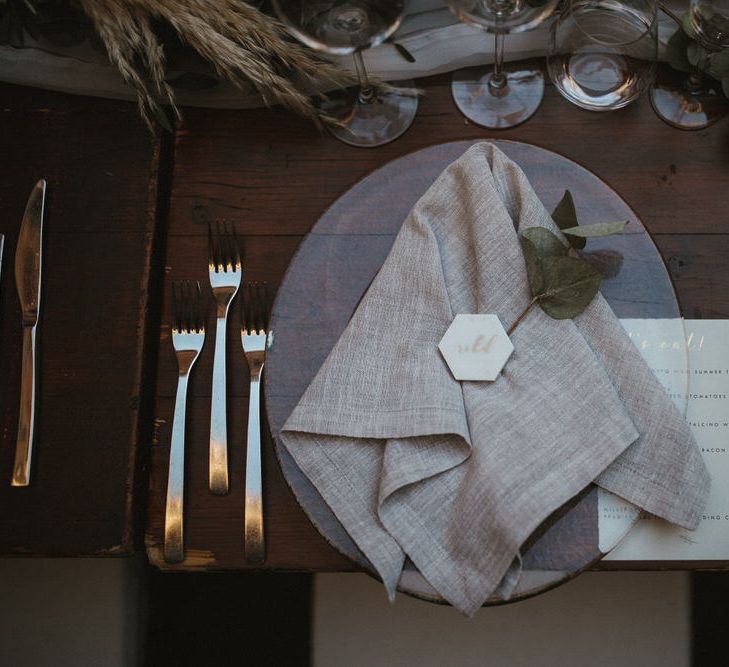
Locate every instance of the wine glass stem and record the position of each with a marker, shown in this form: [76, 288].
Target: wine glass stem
[498, 78]
[366, 93]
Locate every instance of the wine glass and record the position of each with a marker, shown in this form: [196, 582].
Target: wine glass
[367, 116]
[501, 97]
[697, 101]
[602, 54]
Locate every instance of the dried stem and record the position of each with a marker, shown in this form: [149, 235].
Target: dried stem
[243, 44]
[523, 314]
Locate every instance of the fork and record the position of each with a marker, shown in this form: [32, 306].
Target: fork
[225, 270]
[188, 336]
[256, 338]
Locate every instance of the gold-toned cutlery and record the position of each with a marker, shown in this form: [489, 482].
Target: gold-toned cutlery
[256, 337]
[28, 283]
[225, 270]
[188, 337]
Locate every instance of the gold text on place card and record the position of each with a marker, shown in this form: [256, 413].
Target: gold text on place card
[476, 347]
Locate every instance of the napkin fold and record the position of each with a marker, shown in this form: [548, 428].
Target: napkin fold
[456, 475]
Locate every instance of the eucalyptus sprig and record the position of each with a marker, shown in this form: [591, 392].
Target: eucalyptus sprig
[561, 279]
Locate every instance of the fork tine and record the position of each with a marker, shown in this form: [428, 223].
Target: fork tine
[247, 315]
[186, 305]
[253, 294]
[243, 309]
[191, 314]
[236, 245]
[219, 248]
[220, 245]
[261, 298]
[194, 306]
[230, 243]
[225, 244]
[214, 245]
[255, 308]
[266, 296]
[175, 306]
[261, 306]
[211, 246]
[199, 308]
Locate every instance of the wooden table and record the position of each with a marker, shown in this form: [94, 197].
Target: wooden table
[133, 210]
[101, 165]
[274, 175]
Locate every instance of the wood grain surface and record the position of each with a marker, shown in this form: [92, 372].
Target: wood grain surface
[274, 176]
[101, 166]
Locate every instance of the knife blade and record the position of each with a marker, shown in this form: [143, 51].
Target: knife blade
[28, 284]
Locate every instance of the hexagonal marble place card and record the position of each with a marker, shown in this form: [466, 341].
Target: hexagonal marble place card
[476, 347]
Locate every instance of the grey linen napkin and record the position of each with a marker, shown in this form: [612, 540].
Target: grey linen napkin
[457, 475]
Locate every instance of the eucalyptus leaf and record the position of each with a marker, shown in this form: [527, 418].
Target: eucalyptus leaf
[565, 216]
[676, 51]
[596, 230]
[570, 284]
[607, 262]
[533, 265]
[545, 243]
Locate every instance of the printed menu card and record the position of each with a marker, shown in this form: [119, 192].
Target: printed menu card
[691, 360]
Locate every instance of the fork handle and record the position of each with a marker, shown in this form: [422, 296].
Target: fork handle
[253, 518]
[218, 464]
[174, 543]
[26, 418]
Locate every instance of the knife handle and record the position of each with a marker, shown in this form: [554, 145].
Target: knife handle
[26, 419]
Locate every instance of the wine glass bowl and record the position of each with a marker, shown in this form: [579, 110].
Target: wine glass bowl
[367, 116]
[504, 15]
[337, 27]
[602, 53]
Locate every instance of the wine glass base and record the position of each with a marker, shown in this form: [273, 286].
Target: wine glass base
[497, 109]
[677, 107]
[374, 123]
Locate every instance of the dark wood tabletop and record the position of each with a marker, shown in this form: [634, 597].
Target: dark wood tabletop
[130, 210]
[101, 166]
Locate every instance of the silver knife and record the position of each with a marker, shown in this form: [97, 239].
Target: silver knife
[28, 283]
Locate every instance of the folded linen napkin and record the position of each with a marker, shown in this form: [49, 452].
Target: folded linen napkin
[456, 475]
